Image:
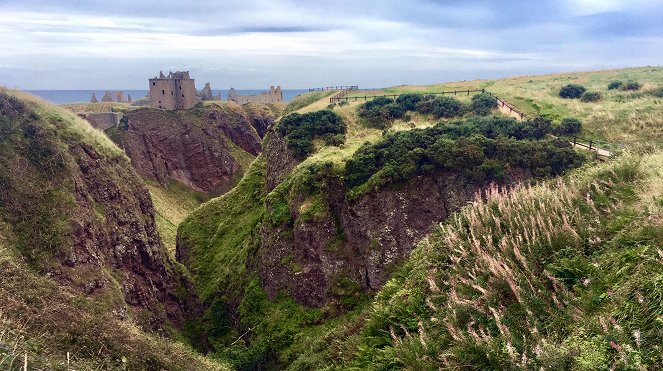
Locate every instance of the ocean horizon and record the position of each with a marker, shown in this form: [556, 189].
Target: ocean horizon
[83, 96]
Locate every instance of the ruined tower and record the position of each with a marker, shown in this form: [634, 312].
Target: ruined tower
[175, 91]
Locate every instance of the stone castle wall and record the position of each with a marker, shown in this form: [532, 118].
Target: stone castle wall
[177, 91]
[272, 96]
[102, 120]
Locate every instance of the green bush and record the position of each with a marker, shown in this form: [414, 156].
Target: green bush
[568, 126]
[632, 85]
[483, 104]
[343, 103]
[615, 85]
[380, 112]
[442, 107]
[331, 106]
[409, 101]
[496, 126]
[301, 129]
[401, 156]
[591, 96]
[572, 91]
[658, 92]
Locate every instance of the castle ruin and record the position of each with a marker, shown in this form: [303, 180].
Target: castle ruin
[112, 96]
[272, 96]
[175, 91]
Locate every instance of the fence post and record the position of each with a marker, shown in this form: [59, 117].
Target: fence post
[590, 145]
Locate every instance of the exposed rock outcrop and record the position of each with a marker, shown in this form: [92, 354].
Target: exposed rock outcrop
[207, 149]
[361, 239]
[83, 217]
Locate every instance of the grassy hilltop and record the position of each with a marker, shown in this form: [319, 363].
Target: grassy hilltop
[621, 117]
[539, 290]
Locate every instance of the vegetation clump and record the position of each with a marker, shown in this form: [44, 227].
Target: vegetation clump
[572, 91]
[568, 126]
[591, 96]
[379, 112]
[632, 85]
[442, 107]
[617, 84]
[483, 104]
[300, 130]
[658, 92]
[481, 148]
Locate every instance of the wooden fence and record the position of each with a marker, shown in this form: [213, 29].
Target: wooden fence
[340, 87]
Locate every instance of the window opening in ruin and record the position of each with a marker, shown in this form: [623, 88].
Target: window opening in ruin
[163, 92]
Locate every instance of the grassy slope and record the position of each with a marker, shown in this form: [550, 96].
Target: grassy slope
[621, 117]
[224, 248]
[563, 275]
[173, 203]
[44, 322]
[221, 232]
[42, 319]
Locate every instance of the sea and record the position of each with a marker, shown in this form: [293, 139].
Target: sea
[83, 96]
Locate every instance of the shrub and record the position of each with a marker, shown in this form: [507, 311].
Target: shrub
[401, 156]
[409, 101]
[445, 107]
[631, 85]
[343, 103]
[301, 129]
[658, 92]
[568, 126]
[615, 85]
[483, 103]
[331, 106]
[572, 91]
[590, 96]
[379, 112]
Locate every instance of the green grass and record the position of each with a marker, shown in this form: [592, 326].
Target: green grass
[44, 322]
[621, 117]
[222, 234]
[525, 280]
[306, 99]
[173, 203]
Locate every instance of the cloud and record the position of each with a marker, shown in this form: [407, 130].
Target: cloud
[302, 43]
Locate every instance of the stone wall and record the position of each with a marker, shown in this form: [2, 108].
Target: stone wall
[272, 96]
[103, 120]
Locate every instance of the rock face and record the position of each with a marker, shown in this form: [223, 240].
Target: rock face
[362, 240]
[207, 149]
[83, 217]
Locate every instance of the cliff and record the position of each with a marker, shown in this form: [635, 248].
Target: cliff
[78, 220]
[206, 148]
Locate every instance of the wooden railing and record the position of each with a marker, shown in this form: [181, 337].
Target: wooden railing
[339, 87]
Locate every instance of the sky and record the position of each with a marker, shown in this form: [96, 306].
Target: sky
[119, 44]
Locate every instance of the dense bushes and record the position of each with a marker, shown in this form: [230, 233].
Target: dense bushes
[629, 85]
[483, 103]
[615, 85]
[478, 148]
[568, 126]
[301, 129]
[409, 101]
[590, 96]
[632, 85]
[572, 91]
[441, 107]
[379, 112]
